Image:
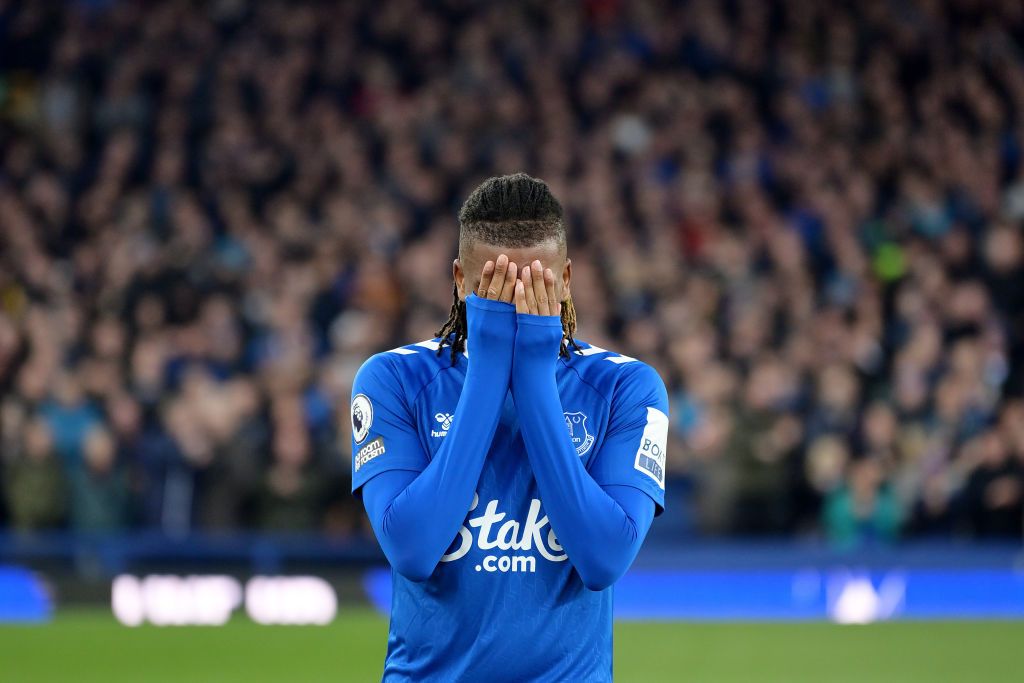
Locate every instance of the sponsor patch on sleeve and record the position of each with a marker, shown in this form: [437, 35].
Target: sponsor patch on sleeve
[650, 456]
[369, 452]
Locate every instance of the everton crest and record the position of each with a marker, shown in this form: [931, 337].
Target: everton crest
[581, 438]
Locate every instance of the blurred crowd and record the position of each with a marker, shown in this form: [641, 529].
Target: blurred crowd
[807, 216]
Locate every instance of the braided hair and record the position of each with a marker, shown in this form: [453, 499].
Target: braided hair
[511, 211]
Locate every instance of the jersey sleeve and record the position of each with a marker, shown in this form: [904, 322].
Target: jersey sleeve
[633, 451]
[384, 433]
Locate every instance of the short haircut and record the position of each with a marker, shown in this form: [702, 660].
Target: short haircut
[507, 211]
[511, 211]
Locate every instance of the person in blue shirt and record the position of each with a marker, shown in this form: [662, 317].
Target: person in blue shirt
[510, 472]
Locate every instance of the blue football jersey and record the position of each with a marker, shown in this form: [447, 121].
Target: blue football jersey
[504, 603]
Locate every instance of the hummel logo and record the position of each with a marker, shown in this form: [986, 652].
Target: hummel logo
[445, 421]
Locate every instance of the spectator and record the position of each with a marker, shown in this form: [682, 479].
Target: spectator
[34, 481]
[993, 496]
[864, 511]
[291, 492]
[70, 417]
[99, 487]
[933, 514]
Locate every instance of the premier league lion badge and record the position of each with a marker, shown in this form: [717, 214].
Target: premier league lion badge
[581, 438]
[362, 417]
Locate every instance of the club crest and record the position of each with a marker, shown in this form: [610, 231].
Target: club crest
[576, 423]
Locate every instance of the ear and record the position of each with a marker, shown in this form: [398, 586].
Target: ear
[566, 277]
[460, 278]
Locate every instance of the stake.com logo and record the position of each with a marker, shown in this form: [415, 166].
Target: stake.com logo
[511, 535]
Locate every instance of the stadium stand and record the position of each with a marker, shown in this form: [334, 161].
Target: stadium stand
[810, 214]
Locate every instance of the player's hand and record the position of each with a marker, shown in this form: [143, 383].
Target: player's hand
[538, 328]
[535, 292]
[497, 280]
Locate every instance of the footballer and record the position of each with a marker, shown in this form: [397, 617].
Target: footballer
[510, 471]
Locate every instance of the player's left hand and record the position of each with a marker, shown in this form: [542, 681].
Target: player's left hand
[535, 292]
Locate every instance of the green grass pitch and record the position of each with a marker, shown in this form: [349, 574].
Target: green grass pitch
[85, 646]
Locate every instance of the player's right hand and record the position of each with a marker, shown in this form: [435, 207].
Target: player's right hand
[498, 280]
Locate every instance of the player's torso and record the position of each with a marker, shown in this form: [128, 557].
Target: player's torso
[506, 531]
[505, 583]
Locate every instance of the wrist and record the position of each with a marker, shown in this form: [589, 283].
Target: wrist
[538, 342]
[491, 329]
[491, 305]
[491, 322]
[539, 334]
[540, 321]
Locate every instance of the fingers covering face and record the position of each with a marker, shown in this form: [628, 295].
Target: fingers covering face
[498, 280]
[531, 295]
[539, 292]
[486, 275]
[531, 288]
[521, 306]
[509, 285]
[554, 306]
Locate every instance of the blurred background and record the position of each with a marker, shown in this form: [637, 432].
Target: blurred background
[808, 216]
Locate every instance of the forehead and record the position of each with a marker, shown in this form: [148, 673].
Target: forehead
[549, 252]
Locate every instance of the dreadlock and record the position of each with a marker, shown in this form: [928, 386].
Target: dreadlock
[513, 211]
